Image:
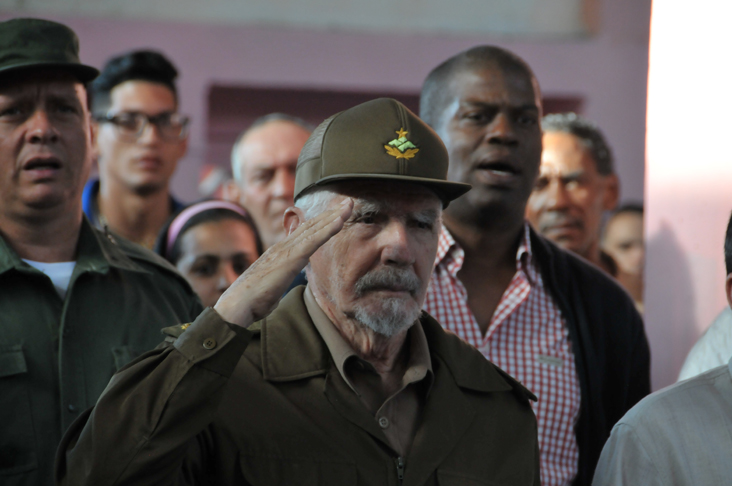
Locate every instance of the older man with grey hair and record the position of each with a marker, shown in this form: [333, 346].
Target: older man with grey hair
[576, 185]
[346, 381]
[263, 161]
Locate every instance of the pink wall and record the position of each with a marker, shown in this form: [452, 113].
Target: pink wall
[608, 71]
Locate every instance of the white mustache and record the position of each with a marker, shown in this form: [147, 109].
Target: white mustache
[388, 278]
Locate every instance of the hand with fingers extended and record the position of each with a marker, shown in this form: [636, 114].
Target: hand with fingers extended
[258, 290]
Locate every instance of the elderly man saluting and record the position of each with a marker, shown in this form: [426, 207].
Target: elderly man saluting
[346, 381]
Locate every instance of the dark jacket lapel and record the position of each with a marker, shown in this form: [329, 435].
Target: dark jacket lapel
[448, 414]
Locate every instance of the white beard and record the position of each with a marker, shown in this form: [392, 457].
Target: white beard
[388, 317]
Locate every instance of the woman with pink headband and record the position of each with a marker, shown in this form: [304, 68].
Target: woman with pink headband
[210, 243]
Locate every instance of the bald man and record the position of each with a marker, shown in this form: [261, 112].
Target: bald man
[263, 162]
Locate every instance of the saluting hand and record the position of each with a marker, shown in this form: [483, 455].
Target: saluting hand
[258, 290]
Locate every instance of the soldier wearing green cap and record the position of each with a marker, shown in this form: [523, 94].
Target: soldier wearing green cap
[75, 304]
[345, 381]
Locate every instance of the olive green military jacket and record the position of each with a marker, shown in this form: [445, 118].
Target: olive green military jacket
[197, 411]
[57, 356]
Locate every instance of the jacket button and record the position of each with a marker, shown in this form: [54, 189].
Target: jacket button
[383, 422]
[72, 408]
[209, 343]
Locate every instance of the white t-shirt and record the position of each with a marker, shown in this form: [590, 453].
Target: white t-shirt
[59, 273]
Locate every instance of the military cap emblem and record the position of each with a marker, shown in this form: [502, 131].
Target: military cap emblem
[400, 147]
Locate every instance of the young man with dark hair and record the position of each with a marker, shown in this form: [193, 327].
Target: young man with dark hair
[559, 325]
[140, 138]
[75, 304]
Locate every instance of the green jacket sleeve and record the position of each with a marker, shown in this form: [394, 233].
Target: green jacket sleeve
[144, 429]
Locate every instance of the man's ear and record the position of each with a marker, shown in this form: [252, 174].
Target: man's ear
[294, 217]
[230, 191]
[728, 288]
[93, 137]
[612, 192]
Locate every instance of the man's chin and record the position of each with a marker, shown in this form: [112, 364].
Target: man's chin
[388, 316]
[46, 197]
[148, 185]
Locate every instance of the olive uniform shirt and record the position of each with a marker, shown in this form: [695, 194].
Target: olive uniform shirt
[218, 404]
[57, 356]
[398, 414]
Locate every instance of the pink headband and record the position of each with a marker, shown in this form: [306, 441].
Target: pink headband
[193, 210]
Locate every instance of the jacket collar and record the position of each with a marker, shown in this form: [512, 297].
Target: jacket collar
[96, 252]
[292, 349]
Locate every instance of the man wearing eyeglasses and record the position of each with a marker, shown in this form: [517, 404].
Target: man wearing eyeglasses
[140, 138]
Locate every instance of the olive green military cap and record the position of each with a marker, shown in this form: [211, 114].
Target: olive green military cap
[37, 43]
[379, 139]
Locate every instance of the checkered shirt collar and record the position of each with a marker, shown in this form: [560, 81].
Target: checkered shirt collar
[451, 255]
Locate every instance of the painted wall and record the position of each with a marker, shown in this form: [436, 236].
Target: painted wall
[688, 177]
[538, 18]
[608, 70]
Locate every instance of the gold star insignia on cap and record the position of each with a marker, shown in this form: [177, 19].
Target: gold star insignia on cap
[401, 148]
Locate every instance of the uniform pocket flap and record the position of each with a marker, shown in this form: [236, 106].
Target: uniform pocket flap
[12, 360]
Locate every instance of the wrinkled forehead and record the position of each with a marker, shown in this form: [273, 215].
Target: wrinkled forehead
[564, 152]
[494, 83]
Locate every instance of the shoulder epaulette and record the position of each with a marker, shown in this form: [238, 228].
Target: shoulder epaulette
[175, 331]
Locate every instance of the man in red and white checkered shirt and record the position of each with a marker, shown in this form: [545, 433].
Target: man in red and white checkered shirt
[549, 319]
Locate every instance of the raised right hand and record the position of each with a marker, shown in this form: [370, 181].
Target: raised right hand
[258, 290]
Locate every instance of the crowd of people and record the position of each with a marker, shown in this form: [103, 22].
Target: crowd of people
[448, 297]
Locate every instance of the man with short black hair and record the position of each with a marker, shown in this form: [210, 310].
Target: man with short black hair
[75, 304]
[263, 162]
[140, 139]
[576, 186]
[559, 325]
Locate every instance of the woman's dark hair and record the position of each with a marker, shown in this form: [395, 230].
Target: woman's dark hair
[172, 251]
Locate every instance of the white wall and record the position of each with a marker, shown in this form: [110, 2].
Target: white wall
[688, 176]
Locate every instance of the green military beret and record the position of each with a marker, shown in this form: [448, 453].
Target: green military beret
[379, 139]
[37, 43]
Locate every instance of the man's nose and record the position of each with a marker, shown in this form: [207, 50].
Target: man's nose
[396, 244]
[283, 185]
[557, 196]
[500, 131]
[41, 128]
[150, 135]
